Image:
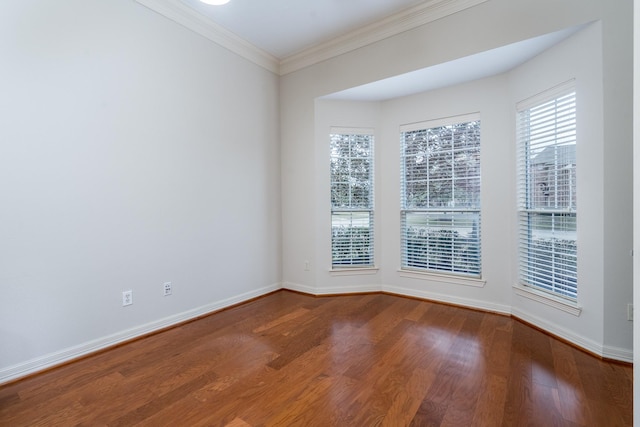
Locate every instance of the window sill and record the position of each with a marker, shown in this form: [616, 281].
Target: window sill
[443, 278]
[548, 299]
[353, 271]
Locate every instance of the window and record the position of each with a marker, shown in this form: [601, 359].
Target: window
[440, 196]
[547, 192]
[351, 199]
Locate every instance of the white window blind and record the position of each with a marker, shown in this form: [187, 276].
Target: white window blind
[352, 199]
[440, 196]
[547, 211]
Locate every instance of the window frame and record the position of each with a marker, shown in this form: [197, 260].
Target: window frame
[354, 212]
[559, 280]
[454, 215]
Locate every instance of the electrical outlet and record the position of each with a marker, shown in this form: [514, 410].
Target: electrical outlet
[127, 298]
[167, 288]
[630, 312]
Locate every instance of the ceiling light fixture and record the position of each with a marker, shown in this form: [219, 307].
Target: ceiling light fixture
[215, 2]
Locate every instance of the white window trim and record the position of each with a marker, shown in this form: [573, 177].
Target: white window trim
[337, 270]
[546, 297]
[549, 299]
[547, 95]
[351, 131]
[443, 276]
[448, 278]
[353, 271]
[444, 121]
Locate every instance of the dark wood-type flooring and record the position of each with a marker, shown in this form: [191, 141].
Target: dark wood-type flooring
[289, 359]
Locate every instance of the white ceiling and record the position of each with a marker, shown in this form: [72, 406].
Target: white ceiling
[286, 35]
[286, 27]
[484, 64]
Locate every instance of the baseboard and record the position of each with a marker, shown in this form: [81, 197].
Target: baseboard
[617, 354]
[299, 288]
[397, 290]
[572, 338]
[357, 289]
[448, 299]
[66, 355]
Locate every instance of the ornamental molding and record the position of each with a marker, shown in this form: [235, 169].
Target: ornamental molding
[395, 24]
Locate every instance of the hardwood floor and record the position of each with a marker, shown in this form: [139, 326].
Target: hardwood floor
[358, 360]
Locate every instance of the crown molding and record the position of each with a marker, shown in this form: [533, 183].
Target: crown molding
[189, 18]
[390, 26]
[395, 24]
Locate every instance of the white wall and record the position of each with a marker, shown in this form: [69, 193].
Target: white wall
[347, 114]
[618, 172]
[488, 97]
[132, 152]
[636, 201]
[579, 58]
[606, 266]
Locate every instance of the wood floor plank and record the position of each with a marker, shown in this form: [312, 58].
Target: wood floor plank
[419, 311]
[289, 359]
[300, 411]
[429, 414]
[287, 318]
[149, 408]
[385, 380]
[598, 379]
[268, 391]
[547, 397]
[492, 392]
[185, 411]
[519, 403]
[573, 400]
[492, 395]
[467, 361]
[407, 401]
[370, 354]
[386, 319]
[238, 422]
